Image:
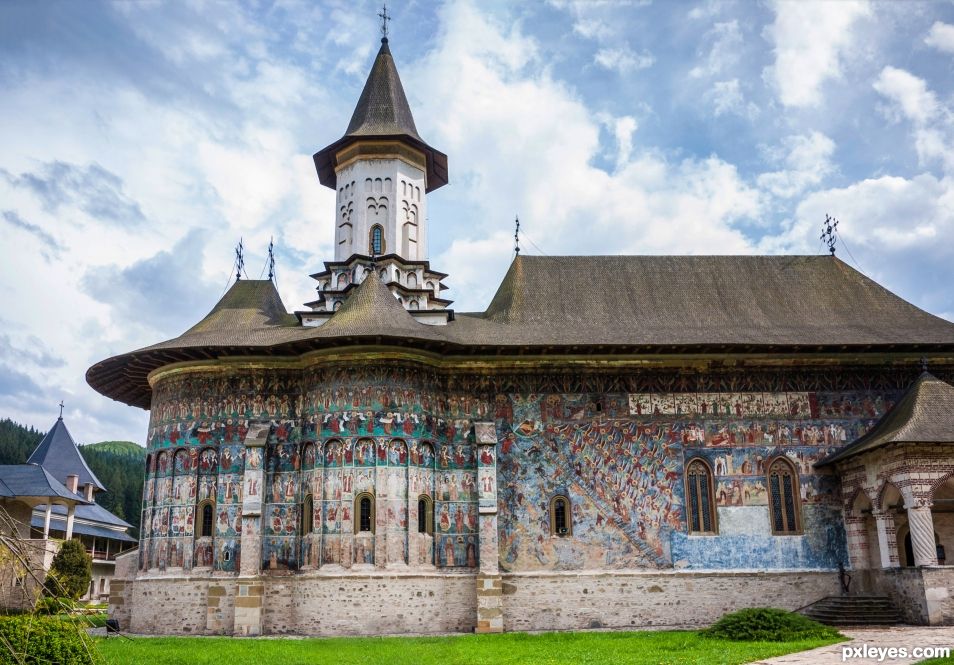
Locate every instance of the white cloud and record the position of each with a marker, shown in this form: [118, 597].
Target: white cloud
[726, 97]
[807, 161]
[910, 94]
[811, 38]
[932, 123]
[623, 60]
[724, 52]
[941, 37]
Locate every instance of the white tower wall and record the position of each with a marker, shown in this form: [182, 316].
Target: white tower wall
[389, 192]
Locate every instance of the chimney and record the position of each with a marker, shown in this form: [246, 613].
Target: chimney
[72, 483]
[88, 491]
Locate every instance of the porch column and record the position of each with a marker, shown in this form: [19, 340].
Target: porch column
[69, 523]
[856, 534]
[922, 534]
[46, 520]
[887, 539]
[490, 610]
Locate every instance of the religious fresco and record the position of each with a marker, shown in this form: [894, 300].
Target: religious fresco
[619, 458]
[400, 432]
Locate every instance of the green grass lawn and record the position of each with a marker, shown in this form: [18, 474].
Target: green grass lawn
[655, 647]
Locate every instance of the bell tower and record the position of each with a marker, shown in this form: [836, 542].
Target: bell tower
[382, 171]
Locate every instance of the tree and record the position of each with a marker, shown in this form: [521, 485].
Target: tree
[71, 571]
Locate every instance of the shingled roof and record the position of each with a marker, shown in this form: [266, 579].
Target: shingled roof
[612, 304]
[30, 481]
[58, 454]
[382, 112]
[925, 414]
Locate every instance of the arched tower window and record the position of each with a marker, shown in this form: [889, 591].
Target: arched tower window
[205, 518]
[307, 515]
[364, 513]
[376, 240]
[425, 514]
[560, 518]
[700, 503]
[784, 499]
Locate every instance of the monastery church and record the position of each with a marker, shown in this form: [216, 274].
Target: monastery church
[671, 439]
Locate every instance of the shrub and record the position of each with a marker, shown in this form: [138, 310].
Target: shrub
[766, 624]
[71, 571]
[36, 639]
[48, 605]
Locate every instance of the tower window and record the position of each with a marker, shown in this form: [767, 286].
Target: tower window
[700, 503]
[560, 523]
[377, 240]
[364, 513]
[784, 500]
[425, 514]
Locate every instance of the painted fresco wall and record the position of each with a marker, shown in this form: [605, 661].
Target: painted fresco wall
[399, 432]
[619, 458]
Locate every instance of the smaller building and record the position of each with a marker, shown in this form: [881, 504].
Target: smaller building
[50, 499]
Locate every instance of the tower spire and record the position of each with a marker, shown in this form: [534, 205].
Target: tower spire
[239, 260]
[516, 236]
[385, 17]
[271, 259]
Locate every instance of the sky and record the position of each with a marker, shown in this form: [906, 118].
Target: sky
[140, 140]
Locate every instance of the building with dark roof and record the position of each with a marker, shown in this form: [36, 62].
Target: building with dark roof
[47, 501]
[668, 439]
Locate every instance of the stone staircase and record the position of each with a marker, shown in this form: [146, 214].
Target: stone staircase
[860, 610]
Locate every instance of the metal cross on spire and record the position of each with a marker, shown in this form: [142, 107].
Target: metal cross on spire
[516, 236]
[239, 260]
[61, 409]
[829, 227]
[271, 259]
[385, 17]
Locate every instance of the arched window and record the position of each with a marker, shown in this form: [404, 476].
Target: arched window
[560, 519]
[364, 513]
[307, 515]
[425, 514]
[376, 240]
[784, 500]
[700, 504]
[205, 519]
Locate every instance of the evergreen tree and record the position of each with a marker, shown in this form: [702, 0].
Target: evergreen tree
[71, 571]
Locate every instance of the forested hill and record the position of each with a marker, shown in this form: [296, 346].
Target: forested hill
[117, 464]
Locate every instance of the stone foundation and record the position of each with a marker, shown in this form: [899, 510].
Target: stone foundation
[925, 596]
[433, 603]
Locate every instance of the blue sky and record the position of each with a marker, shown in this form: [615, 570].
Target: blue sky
[140, 140]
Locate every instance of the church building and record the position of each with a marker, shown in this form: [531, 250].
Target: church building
[614, 442]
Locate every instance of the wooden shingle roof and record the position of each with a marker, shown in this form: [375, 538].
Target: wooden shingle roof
[572, 304]
[925, 414]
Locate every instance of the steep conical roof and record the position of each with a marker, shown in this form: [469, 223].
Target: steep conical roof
[249, 303]
[371, 309]
[58, 454]
[925, 414]
[382, 113]
[382, 109]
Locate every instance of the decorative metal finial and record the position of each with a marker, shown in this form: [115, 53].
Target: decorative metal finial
[239, 260]
[385, 17]
[61, 409]
[828, 233]
[516, 236]
[924, 364]
[271, 259]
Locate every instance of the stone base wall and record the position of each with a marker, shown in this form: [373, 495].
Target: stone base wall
[430, 603]
[925, 596]
[578, 601]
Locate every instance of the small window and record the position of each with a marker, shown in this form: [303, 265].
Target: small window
[364, 513]
[206, 520]
[307, 515]
[560, 523]
[425, 515]
[700, 504]
[377, 240]
[784, 500]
